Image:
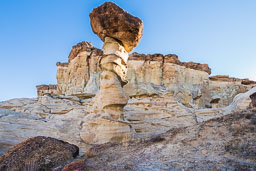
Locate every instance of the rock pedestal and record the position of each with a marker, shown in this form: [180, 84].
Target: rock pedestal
[111, 98]
[121, 32]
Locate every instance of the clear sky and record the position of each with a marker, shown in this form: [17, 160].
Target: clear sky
[35, 34]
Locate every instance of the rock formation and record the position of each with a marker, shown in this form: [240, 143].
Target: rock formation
[75, 166]
[81, 74]
[223, 143]
[223, 89]
[152, 75]
[46, 89]
[38, 153]
[109, 20]
[253, 100]
[121, 32]
[167, 113]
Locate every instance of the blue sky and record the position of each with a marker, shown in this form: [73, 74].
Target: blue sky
[35, 34]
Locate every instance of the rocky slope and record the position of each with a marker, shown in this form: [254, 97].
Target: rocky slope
[64, 117]
[223, 143]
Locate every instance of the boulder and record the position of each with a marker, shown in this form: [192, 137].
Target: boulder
[38, 153]
[109, 20]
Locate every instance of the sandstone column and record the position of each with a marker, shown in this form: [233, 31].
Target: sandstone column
[121, 32]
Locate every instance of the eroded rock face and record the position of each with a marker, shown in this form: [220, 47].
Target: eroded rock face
[98, 129]
[145, 117]
[46, 90]
[38, 153]
[109, 20]
[112, 79]
[80, 76]
[223, 89]
[223, 143]
[147, 75]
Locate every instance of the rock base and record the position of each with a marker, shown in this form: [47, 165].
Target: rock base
[98, 129]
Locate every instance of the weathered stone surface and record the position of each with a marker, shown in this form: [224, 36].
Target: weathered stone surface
[112, 79]
[37, 119]
[16, 103]
[38, 153]
[145, 116]
[80, 47]
[197, 66]
[81, 74]
[248, 82]
[109, 20]
[46, 90]
[78, 165]
[223, 143]
[44, 105]
[170, 58]
[225, 88]
[98, 129]
[253, 100]
[226, 78]
[156, 77]
[241, 101]
[148, 75]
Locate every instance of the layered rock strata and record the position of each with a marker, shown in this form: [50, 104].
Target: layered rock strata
[46, 90]
[80, 76]
[223, 89]
[145, 117]
[111, 98]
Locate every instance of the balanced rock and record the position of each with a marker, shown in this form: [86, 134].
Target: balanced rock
[109, 20]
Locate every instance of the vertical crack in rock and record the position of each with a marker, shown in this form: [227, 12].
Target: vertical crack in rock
[88, 64]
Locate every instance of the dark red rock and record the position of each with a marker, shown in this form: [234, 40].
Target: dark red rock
[46, 89]
[197, 66]
[109, 20]
[78, 165]
[172, 58]
[38, 153]
[137, 56]
[64, 64]
[157, 57]
[248, 82]
[253, 99]
[224, 78]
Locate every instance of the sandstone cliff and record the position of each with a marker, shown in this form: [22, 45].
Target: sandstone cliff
[150, 75]
[165, 95]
